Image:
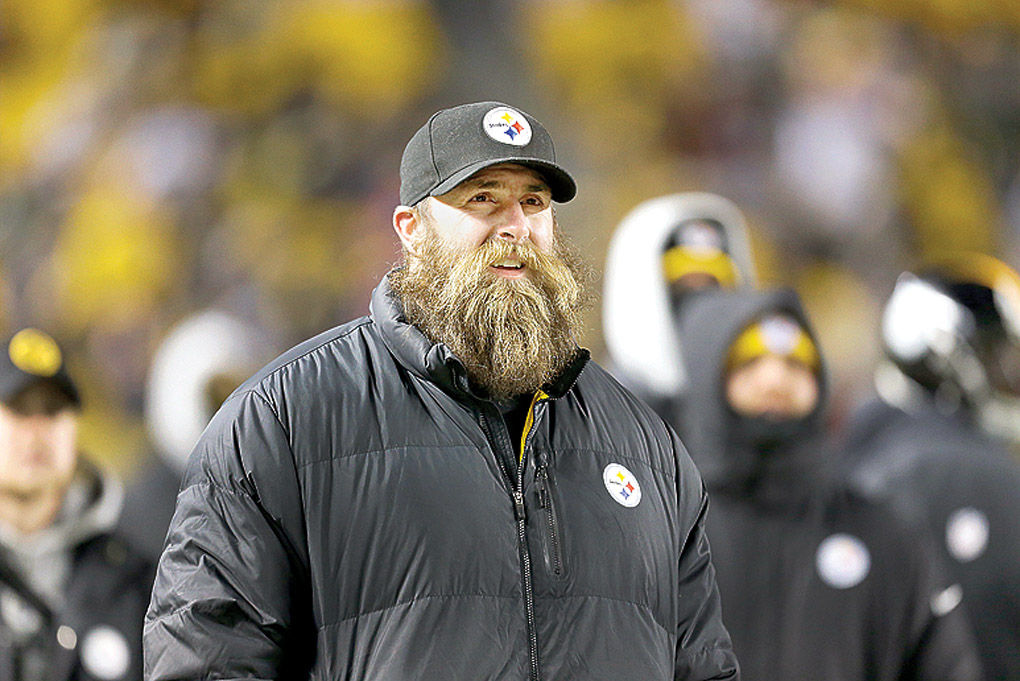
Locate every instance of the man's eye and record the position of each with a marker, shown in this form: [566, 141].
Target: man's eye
[480, 198]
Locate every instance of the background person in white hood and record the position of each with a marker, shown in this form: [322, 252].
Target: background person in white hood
[72, 593]
[664, 250]
[195, 368]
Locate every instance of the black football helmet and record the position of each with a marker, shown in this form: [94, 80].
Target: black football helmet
[953, 328]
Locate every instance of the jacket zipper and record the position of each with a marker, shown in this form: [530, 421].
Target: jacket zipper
[545, 501]
[542, 486]
[515, 485]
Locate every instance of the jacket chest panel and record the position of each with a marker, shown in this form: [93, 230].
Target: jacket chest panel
[608, 549]
[783, 608]
[387, 527]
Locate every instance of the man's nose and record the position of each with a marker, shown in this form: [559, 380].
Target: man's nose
[775, 375]
[514, 224]
[32, 431]
[39, 426]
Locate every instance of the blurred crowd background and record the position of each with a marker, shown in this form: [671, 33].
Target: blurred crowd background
[162, 157]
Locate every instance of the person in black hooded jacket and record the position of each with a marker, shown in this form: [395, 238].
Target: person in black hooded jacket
[447, 488]
[817, 581]
[936, 437]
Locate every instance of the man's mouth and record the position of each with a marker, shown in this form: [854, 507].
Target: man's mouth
[508, 266]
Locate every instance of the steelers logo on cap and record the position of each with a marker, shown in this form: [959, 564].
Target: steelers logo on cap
[781, 334]
[34, 352]
[842, 561]
[508, 126]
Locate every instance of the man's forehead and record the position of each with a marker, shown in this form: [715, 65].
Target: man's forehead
[504, 174]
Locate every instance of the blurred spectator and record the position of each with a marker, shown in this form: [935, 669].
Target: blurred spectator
[817, 579]
[72, 593]
[664, 250]
[622, 64]
[938, 436]
[833, 143]
[195, 369]
[948, 197]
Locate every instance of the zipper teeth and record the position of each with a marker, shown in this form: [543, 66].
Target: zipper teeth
[529, 599]
[517, 491]
[554, 536]
[550, 511]
[529, 596]
[545, 501]
[499, 460]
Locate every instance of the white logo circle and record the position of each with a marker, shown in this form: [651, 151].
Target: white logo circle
[842, 561]
[622, 485]
[105, 653]
[505, 125]
[967, 534]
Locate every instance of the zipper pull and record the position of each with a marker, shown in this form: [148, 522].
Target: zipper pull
[519, 506]
[543, 494]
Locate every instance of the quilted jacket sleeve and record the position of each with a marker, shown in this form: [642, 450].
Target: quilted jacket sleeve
[704, 650]
[228, 598]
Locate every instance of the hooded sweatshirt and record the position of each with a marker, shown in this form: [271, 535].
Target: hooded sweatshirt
[178, 407]
[638, 319]
[817, 581]
[73, 596]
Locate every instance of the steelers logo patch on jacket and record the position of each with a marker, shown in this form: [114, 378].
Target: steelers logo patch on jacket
[842, 560]
[622, 485]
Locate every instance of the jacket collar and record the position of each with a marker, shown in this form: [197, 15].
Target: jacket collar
[435, 362]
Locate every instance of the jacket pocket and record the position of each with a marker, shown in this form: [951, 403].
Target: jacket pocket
[552, 532]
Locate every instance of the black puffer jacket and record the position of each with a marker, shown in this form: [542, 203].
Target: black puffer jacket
[818, 581]
[349, 514]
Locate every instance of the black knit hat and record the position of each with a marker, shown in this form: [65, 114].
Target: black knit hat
[456, 143]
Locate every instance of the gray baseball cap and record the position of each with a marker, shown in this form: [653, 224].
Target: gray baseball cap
[456, 143]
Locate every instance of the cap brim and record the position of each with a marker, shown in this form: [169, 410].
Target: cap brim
[561, 184]
[15, 382]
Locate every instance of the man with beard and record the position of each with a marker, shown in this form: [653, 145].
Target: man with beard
[447, 488]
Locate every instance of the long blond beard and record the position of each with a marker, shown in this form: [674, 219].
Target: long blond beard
[513, 335]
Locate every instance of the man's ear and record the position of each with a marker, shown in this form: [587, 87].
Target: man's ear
[406, 224]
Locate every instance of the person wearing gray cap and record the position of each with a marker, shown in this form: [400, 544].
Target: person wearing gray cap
[72, 591]
[447, 488]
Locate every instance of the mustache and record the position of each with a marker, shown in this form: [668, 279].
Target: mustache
[495, 250]
[552, 272]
